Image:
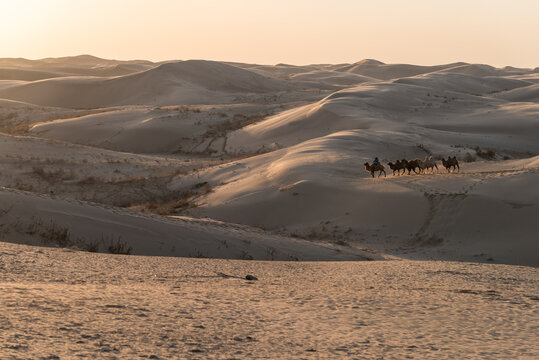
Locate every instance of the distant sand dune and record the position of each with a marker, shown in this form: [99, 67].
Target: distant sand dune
[523, 94]
[185, 82]
[381, 71]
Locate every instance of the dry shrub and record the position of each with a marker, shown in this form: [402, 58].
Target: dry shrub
[469, 158]
[185, 200]
[92, 246]
[52, 175]
[89, 180]
[487, 154]
[239, 121]
[56, 234]
[20, 129]
[118, 247]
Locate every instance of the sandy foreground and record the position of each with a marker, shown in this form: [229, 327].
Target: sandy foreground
[59, 303]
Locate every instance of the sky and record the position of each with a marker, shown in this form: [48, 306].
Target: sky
[422, 32]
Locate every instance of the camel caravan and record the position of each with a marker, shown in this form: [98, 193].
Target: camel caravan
[418, 166]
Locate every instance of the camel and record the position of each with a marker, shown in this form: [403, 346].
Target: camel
[428, 163]
[451, 162]
[412, 165]
[398, 166]
[371, 169]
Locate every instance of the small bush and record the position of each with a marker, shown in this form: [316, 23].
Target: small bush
[92, 246]
[55, 234]
[89, 180]
[185, 200]
[487, 154]
[244, 255]
[239, 121]
[119, 247]
[469, 158]
[20, 129]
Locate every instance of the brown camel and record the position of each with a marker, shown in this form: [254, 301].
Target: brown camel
[451, 162]
[412, 165]
[397, 166]
[371, 169]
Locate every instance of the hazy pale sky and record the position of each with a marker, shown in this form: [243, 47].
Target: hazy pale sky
[495, 32]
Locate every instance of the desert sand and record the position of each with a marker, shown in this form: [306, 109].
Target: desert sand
[136, 196]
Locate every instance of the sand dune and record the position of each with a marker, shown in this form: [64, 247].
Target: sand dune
[280, 71]
[333, 77]
[410, 106]
[381, 71]
[185, 82]
[464, 83]
[87, 225]
[16, 62]
[27, 74]
[319, 189]
[82, 61]
[523, 94]
[10, 83]
[478, 70]
[54, 72]
[199, 129]
[89, 61]
[139, 130]
[83, 65]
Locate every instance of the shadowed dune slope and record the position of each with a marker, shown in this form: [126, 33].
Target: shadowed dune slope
[86, 224]
[524, 94]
